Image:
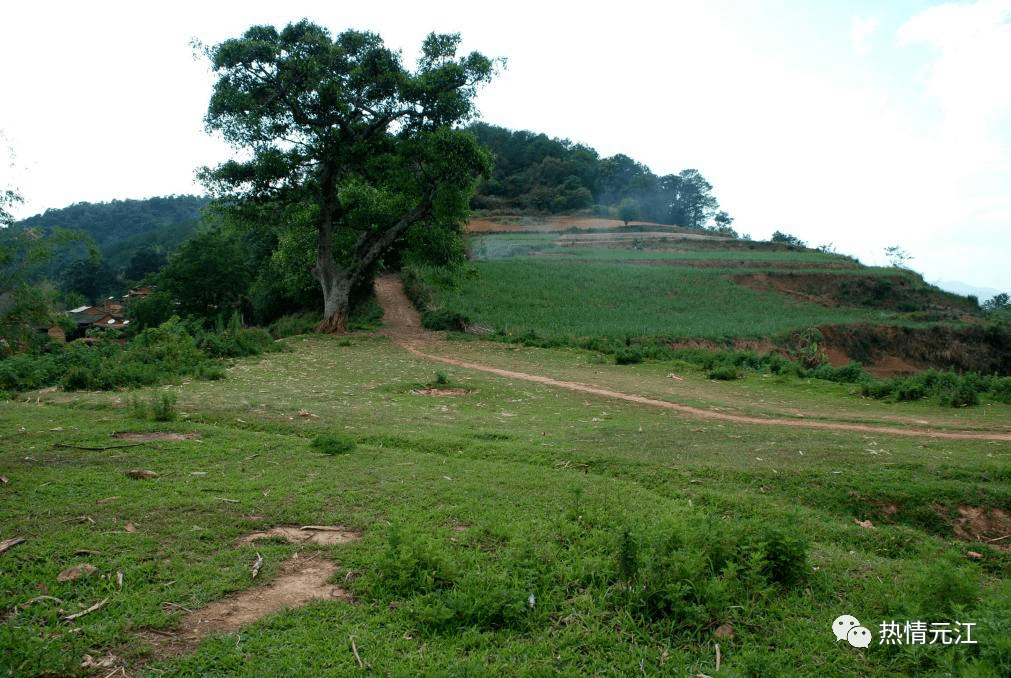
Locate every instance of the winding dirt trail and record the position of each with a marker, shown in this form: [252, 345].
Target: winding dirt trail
[403, 327]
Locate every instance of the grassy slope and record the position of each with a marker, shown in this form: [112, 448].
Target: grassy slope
[614, 300]
[470, 504]
[523, 283]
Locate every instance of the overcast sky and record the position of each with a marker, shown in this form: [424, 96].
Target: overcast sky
[860, 124]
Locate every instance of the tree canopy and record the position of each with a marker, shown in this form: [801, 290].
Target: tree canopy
[340, 127]
[534, 172]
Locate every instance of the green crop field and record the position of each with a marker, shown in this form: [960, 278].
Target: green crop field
[507, 527]
[557, 298]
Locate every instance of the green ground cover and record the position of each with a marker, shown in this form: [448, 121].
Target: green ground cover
[568, 300]
[516, 529]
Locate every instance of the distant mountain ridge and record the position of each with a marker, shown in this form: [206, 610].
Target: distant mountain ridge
[122, 228]
[956, 287]
[118, 220]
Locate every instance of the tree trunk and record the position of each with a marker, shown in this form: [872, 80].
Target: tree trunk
[337, 280]
[336, 306]
[334, 280]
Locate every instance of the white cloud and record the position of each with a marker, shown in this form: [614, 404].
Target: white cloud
[860, 34]
[968, 79]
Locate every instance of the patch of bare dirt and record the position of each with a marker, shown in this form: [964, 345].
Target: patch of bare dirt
[308, 534]
[302, 579]
[888, 350]
[981, 525]
[891, 366]
[437, 392]
[153, 435]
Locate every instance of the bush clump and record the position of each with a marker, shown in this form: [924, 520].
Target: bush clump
[333, 444]
[628, 355]
[947, 388]
[156, 355]
[724, 373]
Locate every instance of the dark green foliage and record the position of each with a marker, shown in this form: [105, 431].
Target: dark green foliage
[437, 244]
[156, 355]
[535, 173]
[26, 300]
[442, 319]
[112, 222]
[628, 355]
[143, 262]
[333, 444]
[208, 275]
[291, 325]
[163, 406]
[787, 239]
[475, 603]
[685, 580]
[784, 557]
[946, 588]
[724, 373]
[629, 210]
[151, 310]
[412, 564]
[339, 130]
[628, 556]
[948, 388]
[91, 278]
[231, 340]
[850, 373]
[123, 229]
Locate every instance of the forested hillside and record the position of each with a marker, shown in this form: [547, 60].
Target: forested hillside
[132, 238]
[534, 172]
[111, 222]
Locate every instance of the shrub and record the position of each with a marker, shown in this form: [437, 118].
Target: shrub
[944, 588]
[962, 394]
[77, 378]
[163, 406]
[851, 373]
[724, 373]
[333, 444]
[687, 579]
[475, 604]
[784, 557]
[291, 325]
[441, 319]
[411, 565]
[950, 389]
[628, 556]
[628, 355]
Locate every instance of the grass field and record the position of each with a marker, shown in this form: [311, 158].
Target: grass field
[513, 529]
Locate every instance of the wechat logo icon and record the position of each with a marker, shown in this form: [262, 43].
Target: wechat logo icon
[848, 627]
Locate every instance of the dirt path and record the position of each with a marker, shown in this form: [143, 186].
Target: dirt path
[402, 320]
[403, 326]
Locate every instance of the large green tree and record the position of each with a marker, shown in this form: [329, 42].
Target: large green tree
[692, 201]
[208, 274]
[342, 127]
